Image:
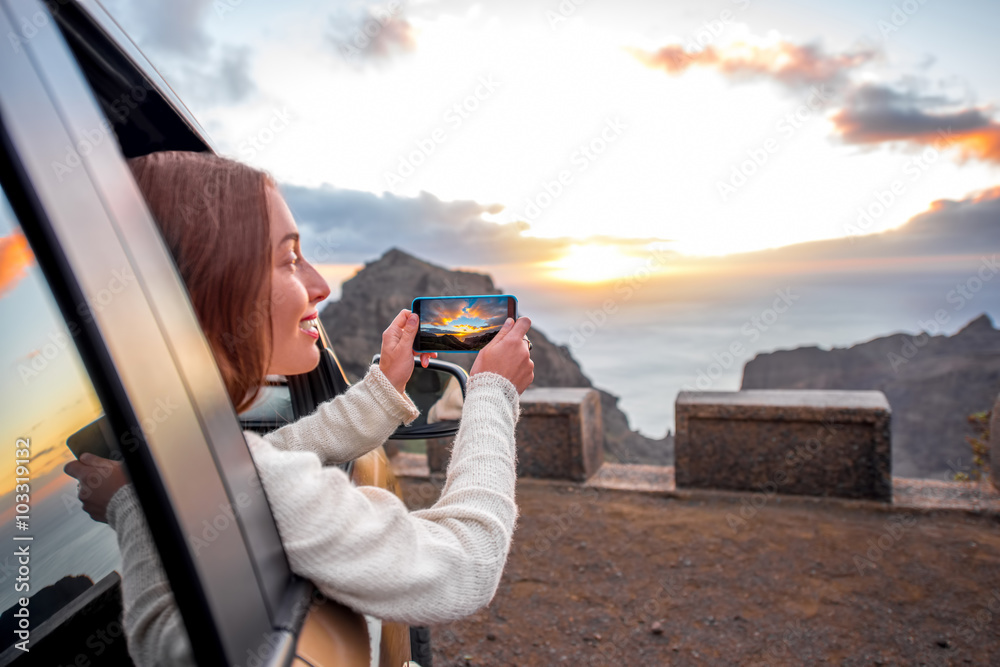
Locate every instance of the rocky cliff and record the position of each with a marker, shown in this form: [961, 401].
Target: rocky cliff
[932, 382]
[371, 299]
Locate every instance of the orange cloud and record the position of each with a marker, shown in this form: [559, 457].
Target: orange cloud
[986, 195]
[872, 113]
[980, 143]
[480, 311]
[377, 34]
[15, 257]
[441, 314]
[396, 35]
[983, 143]
[983, 196]
[875, 113]
[791, 64]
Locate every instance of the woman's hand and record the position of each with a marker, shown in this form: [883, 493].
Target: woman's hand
[507, 355]
[396, 362]
[99, 480]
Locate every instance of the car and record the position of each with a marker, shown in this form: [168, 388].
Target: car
[101, 343]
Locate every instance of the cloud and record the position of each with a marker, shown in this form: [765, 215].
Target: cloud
[341, 226]
[464, 315]
[226, 80]
[378, 34]
[174, 35]
[870, 113]
[876, 113]
[167, 26]
[948, 228]
[396, 36]
[972, 223]
[15, 257]
[794, 66]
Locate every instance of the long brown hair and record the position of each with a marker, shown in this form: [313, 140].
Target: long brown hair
[213, 214]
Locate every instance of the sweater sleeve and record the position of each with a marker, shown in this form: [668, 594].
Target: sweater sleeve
[350, 425]
[154, 629]
[361, 545]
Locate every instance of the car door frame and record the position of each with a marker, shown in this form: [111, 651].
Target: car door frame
[143, 349]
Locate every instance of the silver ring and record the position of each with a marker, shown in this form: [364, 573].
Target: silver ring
[528, 342]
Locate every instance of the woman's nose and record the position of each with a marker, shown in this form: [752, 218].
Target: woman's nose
[318, 287]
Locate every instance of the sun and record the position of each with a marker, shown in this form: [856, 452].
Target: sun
[593, 263]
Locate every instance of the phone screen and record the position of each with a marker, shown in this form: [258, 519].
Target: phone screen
[461, 323]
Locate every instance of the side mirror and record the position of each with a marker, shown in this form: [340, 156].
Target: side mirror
[439, 392]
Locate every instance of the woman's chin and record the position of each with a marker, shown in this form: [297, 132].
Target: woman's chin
[308, 364]
[302, 364]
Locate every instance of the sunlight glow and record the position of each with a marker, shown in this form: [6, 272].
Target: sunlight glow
[593, 263]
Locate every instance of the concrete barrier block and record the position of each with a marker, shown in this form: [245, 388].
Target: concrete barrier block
[560, 435]
[803, 442]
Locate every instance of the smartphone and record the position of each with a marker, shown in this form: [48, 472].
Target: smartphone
[96, 438]
[461, 323]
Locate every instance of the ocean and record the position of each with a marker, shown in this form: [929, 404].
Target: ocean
[688, 333]
[66, 542]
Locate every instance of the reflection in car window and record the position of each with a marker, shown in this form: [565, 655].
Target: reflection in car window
[45, 396]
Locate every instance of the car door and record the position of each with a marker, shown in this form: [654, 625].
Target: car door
[119, 296]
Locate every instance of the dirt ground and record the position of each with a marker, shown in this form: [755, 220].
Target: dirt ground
[601, 577]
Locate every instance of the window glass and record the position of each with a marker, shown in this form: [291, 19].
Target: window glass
[273, 407]
[45, 396]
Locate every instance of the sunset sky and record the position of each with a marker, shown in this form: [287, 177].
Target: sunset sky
[44, 389]
[574, 142]
[681, 161]
[463, 316]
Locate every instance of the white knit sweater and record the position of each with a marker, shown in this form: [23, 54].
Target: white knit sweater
[358, 545]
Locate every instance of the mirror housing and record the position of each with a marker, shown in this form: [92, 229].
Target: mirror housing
[439, 392]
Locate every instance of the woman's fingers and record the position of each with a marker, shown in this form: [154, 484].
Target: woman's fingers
[75, 469]
[88, 476]
[520, 328]
[396, 361]
[515, 330]
[507, 355]
[425, 357]
[99, 479]
[505, 330]
[410, 329]
[392, 333]
[403, 329]
[96, 461]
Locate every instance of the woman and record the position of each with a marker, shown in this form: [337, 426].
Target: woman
[237, 248]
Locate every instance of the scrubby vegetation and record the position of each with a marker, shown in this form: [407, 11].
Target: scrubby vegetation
[980, 444]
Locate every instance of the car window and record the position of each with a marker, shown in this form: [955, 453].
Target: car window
[53, 552]
[272, 409]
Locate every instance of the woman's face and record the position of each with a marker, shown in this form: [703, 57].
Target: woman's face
[296, 289]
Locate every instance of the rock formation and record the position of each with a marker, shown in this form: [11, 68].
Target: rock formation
[932, 382]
